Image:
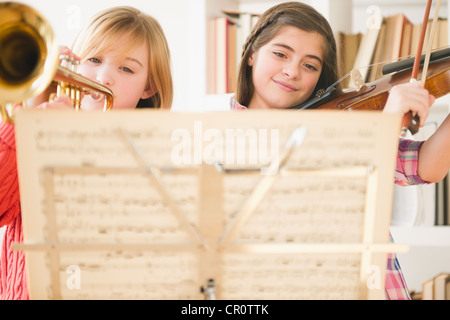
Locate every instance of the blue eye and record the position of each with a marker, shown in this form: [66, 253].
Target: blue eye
[95, 60]
[128, 70]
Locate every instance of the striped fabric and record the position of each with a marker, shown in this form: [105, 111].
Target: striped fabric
[395, 285]
[13, 284]
[407, 159]
[234, 105]
[405, 175]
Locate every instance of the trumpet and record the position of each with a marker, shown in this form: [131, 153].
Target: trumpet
[30, 61]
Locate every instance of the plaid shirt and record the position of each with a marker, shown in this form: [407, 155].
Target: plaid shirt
[405, 174]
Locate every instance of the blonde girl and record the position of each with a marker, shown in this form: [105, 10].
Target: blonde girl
[110, 38]
[126, 51]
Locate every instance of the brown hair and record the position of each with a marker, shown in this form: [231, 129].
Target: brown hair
[295, 14]
[95, 38]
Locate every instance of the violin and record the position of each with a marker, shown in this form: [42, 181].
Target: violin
[374, 95]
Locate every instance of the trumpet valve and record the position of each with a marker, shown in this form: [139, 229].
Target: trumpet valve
[65, 88]
[69, 62]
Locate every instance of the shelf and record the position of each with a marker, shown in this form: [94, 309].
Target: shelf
[433, 236]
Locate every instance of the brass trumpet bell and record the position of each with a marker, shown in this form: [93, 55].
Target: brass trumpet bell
[29, 60]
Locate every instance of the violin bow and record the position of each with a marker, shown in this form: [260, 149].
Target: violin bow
[430, 42]
[412, 122]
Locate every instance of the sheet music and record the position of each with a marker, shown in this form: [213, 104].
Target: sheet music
[136, 275]
[305, 277]
[120, 207]
[303, 210]
[87, 186]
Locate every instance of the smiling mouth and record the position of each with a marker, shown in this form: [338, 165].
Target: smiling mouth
[285, 86]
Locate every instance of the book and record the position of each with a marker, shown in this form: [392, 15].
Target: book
[227, 36]
[391, 45]
[348, 45]
[437, 288]
[366, 51]
[243, 22]
[440, 39]
[231, 59]
[351, 45]
[441, 216]
[440, 286]
[428, 36]
[443, 33]
[220, 53]
[405, 48]
[396, 26]
[428, 290]
[242, 26]
[415, 38]
[375, 72]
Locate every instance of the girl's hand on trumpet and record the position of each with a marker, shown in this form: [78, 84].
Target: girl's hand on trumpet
[65, 51]
[59, 103]
[41, 101]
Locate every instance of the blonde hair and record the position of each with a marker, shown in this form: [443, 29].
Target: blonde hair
[106, 26]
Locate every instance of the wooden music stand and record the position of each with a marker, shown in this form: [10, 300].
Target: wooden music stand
[243, 205]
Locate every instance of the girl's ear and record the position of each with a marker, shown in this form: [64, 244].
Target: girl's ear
[149, 91]
[250, 59]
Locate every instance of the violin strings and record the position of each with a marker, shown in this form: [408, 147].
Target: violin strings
[377, 64]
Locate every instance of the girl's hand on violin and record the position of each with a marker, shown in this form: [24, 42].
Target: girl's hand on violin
[412, 97]
[59, 103]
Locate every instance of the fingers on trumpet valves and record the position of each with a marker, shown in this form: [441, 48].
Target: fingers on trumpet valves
[69, 62]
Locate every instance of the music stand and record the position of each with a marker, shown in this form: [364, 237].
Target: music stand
[226, 205]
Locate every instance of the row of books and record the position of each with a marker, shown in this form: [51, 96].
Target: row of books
[395, 38]
[437, 288]
[226, 37]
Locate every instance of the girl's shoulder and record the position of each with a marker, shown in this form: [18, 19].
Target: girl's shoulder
[234, 105]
